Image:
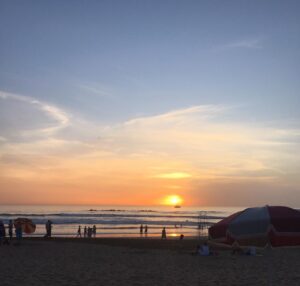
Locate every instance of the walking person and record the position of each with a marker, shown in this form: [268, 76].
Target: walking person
[146, 229]
[79, 232]
[141, 229]
[85, 232]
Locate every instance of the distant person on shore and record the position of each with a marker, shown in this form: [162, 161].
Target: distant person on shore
[146, 229]
[141, 229]
[85, 232]
[94, 231]
[10, 229]
[89, 232]
[2, 232]
[48, 228]
[79, 232]
[163, 233]
[19, 233]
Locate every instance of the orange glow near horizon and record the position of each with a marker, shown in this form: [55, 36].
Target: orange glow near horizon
[173, 200]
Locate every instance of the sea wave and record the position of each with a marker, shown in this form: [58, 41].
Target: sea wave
[111, 221]
[94, 215]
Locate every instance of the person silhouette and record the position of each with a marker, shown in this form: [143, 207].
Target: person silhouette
[79, 231]
[141, 229]
[94, 230]
[163, 233]
[10, 229]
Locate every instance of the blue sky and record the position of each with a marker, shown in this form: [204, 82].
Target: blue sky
[84, 70]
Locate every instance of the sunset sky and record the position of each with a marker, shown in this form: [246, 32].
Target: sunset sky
[128, 102]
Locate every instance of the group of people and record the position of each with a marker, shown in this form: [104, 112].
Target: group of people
[204, 250]
[10, 227]
[238, 250]
[164, 234]
[88, 232]
[144, 229]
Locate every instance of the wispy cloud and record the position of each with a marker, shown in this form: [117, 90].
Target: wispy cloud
[59, 118]
[99, 91]
[174, 175]
[193, 145]
[251, 43]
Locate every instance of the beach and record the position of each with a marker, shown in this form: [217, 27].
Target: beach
[140, 261]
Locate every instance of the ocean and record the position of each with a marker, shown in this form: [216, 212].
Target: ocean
[119, 221]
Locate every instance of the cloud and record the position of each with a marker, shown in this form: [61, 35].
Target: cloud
[26, 116]
[193, 145]
[100, 91]
[201, 140]
[174, 175]
[254, 43]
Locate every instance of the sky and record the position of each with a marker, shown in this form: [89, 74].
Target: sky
[128, 102]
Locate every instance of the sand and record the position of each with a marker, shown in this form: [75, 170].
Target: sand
[139, 262]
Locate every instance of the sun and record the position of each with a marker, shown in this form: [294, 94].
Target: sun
[173, 200]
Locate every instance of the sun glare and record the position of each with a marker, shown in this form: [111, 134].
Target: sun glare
[173, 200]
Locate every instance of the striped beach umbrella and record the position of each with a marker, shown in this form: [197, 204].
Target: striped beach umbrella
[27, 225]
[277, 225]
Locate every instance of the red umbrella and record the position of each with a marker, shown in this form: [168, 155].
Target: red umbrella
[27, 225]
[277, 225]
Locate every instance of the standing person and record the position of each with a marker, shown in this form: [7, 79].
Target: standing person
[164, 233]
[19, 232]
[2, 232]
[85, 232]
[94, 230]
[146, 229]
[89, 232]
[10, 229]
[48, 228]
[141, 229]
[79, 231]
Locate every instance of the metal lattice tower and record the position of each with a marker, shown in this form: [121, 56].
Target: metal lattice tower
[202, 224]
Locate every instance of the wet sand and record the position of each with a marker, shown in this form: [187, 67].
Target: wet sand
[119, 261]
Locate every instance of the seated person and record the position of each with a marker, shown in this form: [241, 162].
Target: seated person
[236, 249]
[251, 251]
[203, 250]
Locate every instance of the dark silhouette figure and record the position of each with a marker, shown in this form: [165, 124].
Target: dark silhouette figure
[163, 233]
[79, 231]
[85, 232]
[89, 232]
[2, 232]
[146, 229]
[141, 229]
[48, 228]
[94, 230]
[10, 229]
[19, 233]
